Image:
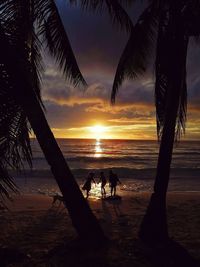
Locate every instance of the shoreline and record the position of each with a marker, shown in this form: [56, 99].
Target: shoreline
[129, 186]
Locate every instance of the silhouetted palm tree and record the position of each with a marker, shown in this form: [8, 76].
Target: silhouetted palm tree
[165, 26]
[26, 28]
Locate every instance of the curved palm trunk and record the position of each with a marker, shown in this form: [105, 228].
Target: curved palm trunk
[21, 89]
[81, 215]
[154, 225]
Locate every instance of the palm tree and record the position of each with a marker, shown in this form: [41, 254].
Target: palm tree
[166, 26]
[21, 65]
[26, 28]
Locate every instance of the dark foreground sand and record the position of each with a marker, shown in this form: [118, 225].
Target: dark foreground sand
[44, 236]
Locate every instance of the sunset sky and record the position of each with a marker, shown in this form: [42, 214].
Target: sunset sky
[73, 113]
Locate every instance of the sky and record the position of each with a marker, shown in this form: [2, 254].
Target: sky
[97, 45]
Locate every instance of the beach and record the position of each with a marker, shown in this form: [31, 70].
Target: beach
[36, 233]
[99, 134]
[44, 235]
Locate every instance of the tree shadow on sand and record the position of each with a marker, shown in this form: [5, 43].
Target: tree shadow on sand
[120, 251]
[170, 254]
[50, 243]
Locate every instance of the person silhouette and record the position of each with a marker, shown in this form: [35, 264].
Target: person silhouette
[88, 183]
[103, 182]
[113, 181]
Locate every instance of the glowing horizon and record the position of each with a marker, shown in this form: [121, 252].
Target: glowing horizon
[100, 131]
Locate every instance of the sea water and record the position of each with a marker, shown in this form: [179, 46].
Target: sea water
[134, 162]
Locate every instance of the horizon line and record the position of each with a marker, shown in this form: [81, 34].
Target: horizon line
[120, 139]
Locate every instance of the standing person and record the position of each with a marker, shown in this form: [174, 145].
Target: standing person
[103, 182]
[113, 180]
[88, 183]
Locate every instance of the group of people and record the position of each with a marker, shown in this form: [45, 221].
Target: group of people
[113, 181]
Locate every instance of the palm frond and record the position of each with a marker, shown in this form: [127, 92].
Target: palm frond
[182, 111]
[133, 61]
[54, 35]
[161, 91]
[117, 13]
[14, 140]
[6, 184]
[14, 130]
[37, 66]
[162, 84]
[19, 25]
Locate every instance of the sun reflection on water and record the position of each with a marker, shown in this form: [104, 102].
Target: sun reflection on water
[96, 191]
[98, 149]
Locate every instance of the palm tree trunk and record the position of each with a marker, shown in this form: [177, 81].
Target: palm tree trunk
[81, 215]
[154, 225]
[21, 89]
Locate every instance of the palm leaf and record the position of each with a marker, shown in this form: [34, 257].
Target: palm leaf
[14, 139]
[6, 184]
[162, 84]
[51, 29]
[116, 12]
[19, 25]
[133, 61]
[14, 129]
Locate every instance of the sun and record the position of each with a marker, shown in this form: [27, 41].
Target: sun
[98, 131]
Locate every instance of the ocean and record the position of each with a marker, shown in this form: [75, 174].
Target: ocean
[134, 161]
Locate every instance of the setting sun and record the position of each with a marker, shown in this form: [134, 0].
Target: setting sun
[98, 131]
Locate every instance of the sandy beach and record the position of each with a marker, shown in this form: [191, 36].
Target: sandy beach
[43, 235]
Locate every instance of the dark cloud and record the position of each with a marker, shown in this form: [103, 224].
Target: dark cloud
[63, 116]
